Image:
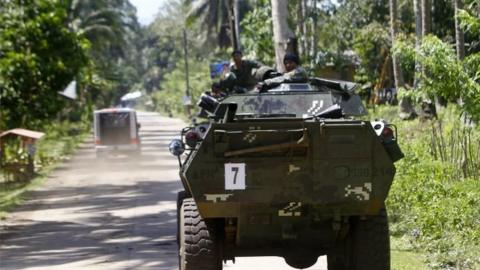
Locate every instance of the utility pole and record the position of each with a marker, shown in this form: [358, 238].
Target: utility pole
[185, 50]
[186, 100]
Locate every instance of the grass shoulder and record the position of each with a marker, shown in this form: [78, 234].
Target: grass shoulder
[404, 257]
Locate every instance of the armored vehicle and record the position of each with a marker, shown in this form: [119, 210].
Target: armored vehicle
[291, 172]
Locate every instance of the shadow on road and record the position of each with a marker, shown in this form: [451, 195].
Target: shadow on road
[118, 213]
[110, 229]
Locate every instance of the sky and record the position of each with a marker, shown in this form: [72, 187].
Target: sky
[147, 9]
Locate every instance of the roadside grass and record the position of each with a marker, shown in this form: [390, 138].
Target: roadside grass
[434, 202]
[404, 257]
[60, 141]
[13, 193]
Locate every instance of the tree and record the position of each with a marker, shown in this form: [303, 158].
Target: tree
[104, 23]
[235, 18]
[406, 109]
[214, 16]
[426, 17]
[257, 32]
[302, 26]
[112, 29]
[459, 36]
[281, 31]
[417, 10]
[39, 56]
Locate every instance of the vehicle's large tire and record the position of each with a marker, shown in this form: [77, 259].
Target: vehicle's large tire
[366, 247]
[181, 195]
[199, 248]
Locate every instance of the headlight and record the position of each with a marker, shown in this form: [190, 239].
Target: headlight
[176, 147]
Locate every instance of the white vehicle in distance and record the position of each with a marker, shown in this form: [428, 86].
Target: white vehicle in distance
[116, 131]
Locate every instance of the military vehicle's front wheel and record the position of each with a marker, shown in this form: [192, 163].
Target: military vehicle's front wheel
[199, 248]
[366, 247]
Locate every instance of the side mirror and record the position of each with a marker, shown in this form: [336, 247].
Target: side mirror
[176, 147]
[139, 126]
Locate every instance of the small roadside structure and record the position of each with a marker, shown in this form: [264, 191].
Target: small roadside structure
[17, 170]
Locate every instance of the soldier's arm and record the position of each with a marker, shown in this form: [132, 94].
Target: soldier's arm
[296, 75]
[253, 64]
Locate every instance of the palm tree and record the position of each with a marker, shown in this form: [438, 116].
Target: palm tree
[104, 23]
[111, 27]
[214, 16]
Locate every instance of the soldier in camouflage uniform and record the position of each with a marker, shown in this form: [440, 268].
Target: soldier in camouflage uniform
[243, 70]
[294, 74]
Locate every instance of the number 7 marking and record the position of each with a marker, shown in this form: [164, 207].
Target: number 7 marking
[235, 169]
[235, 176]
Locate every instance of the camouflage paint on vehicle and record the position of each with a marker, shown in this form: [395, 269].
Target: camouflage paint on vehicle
[283, 180]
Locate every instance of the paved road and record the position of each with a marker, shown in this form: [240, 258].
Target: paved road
[112, 214]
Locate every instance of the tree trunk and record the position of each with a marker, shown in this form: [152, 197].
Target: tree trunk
[417, 10]
[313, 43]
[233, 15]
[301, 28]
[304, 39]
[236, 15]
[406, 109]
[281, 31]
[397, 71]
[459, 36]
[426, 17]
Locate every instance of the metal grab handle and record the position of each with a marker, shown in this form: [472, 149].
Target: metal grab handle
[219, 131]
[346, 125]
[303, 142]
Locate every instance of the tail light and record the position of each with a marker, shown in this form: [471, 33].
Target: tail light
[191, 138]
[134, 141]
[387, 132]
[389, 141]
[97, 141]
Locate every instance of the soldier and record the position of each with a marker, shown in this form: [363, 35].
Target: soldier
[295, 73]
[216, 91]
[243, 70]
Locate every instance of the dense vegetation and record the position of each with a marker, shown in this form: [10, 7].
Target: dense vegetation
[425, 51]
[44, 45]
[433, 203]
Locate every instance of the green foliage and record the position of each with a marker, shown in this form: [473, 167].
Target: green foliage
[38, 58]
[432, 203]
[112, 29]
[469, 22]
[170, 99]
[257, 33]
[444, 75]
[60, 141]
[372, 44]
[162, 45]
